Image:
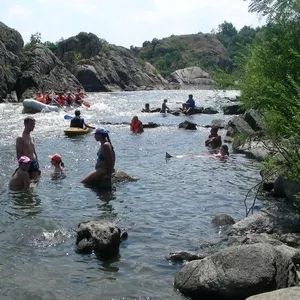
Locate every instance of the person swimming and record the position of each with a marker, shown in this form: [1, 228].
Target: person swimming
[57, 163]
[222, 154]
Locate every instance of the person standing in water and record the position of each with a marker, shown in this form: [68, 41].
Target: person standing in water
[25, 146]
[20, 179]
[105, 159]
[214, 140]
[164, 107]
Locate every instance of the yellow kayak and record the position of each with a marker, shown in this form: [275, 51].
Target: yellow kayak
[72, 131]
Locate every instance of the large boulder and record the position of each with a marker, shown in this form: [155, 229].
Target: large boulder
[104, 240]
[192, 77]
[292, 293]
[117, 68]
[83, 45]
[233, 109]
[9, 71]
[43, 71]
[277, 217]
[238, 125]
[11, 43]
[237, 273]
[11, 38]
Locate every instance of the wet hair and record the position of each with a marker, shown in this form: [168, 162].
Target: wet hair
[214, 129]
[77, 112]
[225, 148]
[28, 120]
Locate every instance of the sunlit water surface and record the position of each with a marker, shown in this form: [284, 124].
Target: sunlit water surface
[169, 208]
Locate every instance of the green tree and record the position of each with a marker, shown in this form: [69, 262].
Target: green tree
[271, 81]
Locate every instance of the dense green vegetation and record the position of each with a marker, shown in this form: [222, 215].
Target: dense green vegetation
[213, 52]
[271, 82]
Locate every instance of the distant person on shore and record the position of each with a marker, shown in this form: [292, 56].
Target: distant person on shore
[25, 147]
[214, 140]
[136, 126]
[20, 179]
[222, 154]
[105, 159]
[79, 122]
[189, 105]
[164, 107]
[57, 163]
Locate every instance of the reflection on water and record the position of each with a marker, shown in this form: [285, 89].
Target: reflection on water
[24, 203]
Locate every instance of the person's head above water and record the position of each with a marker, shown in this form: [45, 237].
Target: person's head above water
[214, 130]
[101, 131]
[224, 150]
[77, 112]
[135, 118]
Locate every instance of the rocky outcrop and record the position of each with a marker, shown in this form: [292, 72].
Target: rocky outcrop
[43, 71]
[83, 45]
[104, 240]
[190, 78]
[116, 69]
[237, 273]
[292, 293]
[11, 43]
[11, 38]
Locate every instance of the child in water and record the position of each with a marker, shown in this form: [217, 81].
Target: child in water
[223, 152]
[57, 163]
[20, 179]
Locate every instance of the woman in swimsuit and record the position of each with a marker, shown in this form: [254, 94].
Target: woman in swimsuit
[105, 159]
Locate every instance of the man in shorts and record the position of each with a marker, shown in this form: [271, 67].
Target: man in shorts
[25, 147]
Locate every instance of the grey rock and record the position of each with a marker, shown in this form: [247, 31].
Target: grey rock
[253, 119]
[44, 71]
[181, 256]
[233, 109]
[238, 125]
[275, 218]
[190, 77]
[218, 123]
[11, 38]
[223, 220]
[292, 293]
[188, 125]
[118, 69]
[237, 273]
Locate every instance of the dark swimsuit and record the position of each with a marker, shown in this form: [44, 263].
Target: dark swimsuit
[34, 166]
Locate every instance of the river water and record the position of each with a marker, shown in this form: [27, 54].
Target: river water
[169, 208]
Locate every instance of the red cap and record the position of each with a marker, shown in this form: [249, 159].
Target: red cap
[56, 157]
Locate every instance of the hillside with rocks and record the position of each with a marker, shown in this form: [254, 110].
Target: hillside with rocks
[88, 62]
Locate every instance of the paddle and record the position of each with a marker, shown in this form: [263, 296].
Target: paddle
[68, 117]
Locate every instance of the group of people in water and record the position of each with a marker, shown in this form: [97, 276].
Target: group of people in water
[187, 106]
[60, 98]
[29, 167]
